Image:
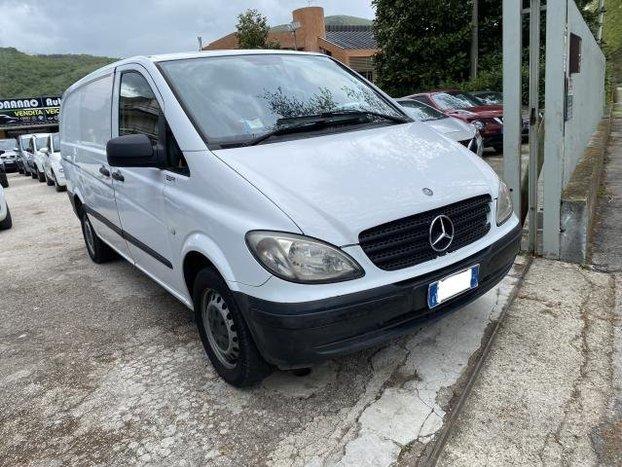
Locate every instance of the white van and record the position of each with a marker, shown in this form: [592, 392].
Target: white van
[293, 205]
[54, 172]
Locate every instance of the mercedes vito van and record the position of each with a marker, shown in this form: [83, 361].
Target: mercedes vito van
[290, 203]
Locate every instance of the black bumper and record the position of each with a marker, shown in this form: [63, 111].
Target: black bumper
[10, 166]
[291, 335]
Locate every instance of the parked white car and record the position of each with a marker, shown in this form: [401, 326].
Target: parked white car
[464, 133]
[23, 142]
[294, 206]
[37, 142]
[54, 172]
[5, 215]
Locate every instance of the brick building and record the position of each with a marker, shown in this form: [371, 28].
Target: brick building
[353, 45]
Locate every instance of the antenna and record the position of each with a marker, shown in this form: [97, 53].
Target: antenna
[200, 39]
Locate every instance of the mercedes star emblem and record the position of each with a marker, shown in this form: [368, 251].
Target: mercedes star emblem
[441, 233]
[427, 192]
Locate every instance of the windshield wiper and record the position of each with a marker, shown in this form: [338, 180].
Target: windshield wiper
[282, 128]
[302, 123]
[363, 113]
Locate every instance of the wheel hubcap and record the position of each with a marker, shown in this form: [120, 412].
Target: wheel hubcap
[220, 328]
[88, 236]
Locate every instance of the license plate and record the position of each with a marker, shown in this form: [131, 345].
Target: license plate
[451, 286]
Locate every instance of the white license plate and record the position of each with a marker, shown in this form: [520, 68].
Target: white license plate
[451, 286]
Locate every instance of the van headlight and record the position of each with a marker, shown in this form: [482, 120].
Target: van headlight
[297, 258]
[504, 203]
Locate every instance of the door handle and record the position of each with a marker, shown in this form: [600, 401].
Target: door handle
[118, 176]
[104, 171]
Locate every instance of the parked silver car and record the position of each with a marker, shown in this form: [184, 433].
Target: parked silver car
[465, 133]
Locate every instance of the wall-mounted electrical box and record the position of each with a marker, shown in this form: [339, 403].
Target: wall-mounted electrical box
[574, 62]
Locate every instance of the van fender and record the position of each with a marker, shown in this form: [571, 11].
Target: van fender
[76, 193]
[201, 243]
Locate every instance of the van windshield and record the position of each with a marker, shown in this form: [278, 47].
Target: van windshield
[41, 142]
[235, 99]
[7, 144]
[420, 111]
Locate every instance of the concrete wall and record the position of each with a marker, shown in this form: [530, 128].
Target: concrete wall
[566, 140]
[587, 89]
[579, 198]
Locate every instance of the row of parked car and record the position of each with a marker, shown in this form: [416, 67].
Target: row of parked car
[36, 155]
[473, 119]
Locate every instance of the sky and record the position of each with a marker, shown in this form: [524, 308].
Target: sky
[122, 28]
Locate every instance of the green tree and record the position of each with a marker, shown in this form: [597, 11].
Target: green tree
[426, 45]
[252, 31]
[422, 43]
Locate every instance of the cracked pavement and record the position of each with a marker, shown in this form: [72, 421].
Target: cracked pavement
[99, 365]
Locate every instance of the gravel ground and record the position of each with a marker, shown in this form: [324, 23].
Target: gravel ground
[99, 365]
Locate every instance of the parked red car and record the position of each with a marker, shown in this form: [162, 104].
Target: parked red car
[458, 104]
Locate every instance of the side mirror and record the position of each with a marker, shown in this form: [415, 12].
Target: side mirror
[44, 150]
[132, 151]
[16, 149]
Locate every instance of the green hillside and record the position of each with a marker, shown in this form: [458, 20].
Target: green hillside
[23, 75]
[335, 20]
[345, 20]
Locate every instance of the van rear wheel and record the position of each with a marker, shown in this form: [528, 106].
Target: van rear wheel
[224, 333]
[97, 250]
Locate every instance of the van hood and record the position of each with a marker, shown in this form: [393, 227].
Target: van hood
[335, 186]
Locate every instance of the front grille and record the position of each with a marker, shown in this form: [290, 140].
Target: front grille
[405, 242]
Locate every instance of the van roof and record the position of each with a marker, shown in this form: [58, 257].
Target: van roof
[141, 59]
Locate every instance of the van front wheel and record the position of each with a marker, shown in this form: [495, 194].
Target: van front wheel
[98, 250]
[224, 333]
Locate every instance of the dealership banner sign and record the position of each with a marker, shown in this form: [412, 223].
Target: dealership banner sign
[30, 110]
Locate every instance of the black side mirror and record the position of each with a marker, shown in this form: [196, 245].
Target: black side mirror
[132, 151]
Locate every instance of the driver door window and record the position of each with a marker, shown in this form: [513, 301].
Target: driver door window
[139, 112]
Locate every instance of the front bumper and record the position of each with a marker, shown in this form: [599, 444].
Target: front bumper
[294, 335]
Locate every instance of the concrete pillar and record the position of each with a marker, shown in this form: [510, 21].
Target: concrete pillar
[554, 101]
[512, 120]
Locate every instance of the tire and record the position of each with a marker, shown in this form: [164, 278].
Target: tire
[49, 181]
[41, 176]
[7, 223]
[4, 181]
[34, 175]
[219, 319]
[97, 250]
